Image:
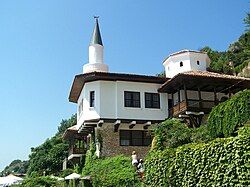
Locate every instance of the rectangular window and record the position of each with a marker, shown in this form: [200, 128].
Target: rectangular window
[152, 100]
[134, 138]
[132, 99]
[92, 99]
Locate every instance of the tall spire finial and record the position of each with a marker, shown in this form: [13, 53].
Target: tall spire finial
[96, 37]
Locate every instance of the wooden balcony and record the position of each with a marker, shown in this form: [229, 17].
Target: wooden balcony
[191, 105]
[76, 151]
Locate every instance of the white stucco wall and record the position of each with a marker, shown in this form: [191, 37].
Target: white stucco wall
[204, 95]
[109, 101]
[194, 95]
[88, 112]
[142, 112]
[189, 59]
[172, 65]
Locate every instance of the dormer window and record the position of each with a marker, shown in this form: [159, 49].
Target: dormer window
[181, 64]
[198, 62]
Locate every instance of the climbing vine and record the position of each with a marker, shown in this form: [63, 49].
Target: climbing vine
[227, 117]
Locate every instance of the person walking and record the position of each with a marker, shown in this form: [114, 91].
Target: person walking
[134, 159]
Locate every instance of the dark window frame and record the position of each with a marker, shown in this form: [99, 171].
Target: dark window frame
[92, 99]
[144, 138]
[132, 99]
[152, 102]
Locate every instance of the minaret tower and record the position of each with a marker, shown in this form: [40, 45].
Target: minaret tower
[95, 52]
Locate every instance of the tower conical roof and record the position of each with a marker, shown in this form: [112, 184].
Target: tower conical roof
[96, 37]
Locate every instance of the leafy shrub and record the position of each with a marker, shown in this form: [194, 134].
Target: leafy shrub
[44, 181]
[115, 171]
[157, 166]
[221, 162]
[227, 117]
[66, 172]
[171, 133]
[200, 135]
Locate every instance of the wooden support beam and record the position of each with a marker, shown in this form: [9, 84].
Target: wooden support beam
[132, 124]
[185, 92]
[90, 124]
[116, 125]
[100, 123]
[146, 125]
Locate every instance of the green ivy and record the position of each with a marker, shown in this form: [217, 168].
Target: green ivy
[221, 162]
[227, 117]
[89, 159]
[157, 166]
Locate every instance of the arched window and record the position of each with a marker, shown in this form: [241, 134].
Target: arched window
[181, 64]
[198, 62]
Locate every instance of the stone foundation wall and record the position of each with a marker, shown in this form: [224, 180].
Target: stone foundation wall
[111, 144]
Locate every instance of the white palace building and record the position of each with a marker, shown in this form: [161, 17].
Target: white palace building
[120, 109]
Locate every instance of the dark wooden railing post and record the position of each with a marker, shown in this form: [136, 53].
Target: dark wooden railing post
[200, 102]
[179, 100]
[229, 93]
[215, 97]
[185, 94]
[172, 100]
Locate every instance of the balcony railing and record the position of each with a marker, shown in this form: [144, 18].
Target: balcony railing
[191, 105]
[76, 150]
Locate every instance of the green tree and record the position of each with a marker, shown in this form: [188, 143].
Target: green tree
[236, 57]
[16, 166]
[247, 22]
[48, 157]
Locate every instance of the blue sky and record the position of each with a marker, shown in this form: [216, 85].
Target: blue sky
[44, 43]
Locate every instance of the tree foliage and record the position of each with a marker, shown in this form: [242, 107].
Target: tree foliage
[48, 157]
[44, 181]
[235, 58]
[16, 167]
[227, 117]
[247, 22]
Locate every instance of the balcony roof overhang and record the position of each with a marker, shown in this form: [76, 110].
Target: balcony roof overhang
[72, 133]
[205, 81]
